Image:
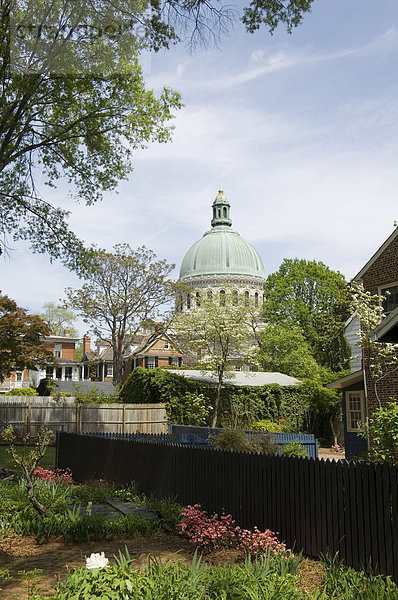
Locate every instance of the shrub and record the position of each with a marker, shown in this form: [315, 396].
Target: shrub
[238, 440]
[216, 533]
[294, 449]
[188, 409]
[46, 387]
[382, 430]
[267, 425]
[58, 475]
[27, 391]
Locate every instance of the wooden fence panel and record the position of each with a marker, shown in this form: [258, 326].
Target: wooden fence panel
[317, 507]
[29, 416]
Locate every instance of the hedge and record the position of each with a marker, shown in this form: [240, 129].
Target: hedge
[306, 407]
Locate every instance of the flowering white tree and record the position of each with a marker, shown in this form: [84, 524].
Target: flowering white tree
[217, 332]
[381, 358]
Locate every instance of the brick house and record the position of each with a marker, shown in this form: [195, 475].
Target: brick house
[65, 368]
[378, 276]
[157, 350]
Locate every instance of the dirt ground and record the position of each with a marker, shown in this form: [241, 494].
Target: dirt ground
[56, 557]
[331, 454]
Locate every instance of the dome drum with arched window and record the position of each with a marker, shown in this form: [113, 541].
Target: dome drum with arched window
[222, 258]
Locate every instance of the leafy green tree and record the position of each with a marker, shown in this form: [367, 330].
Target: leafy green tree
[20, 338]
[59, 318]
[73, 104]
[124, 289]
[272, 13]
[309, 295]
[285, 350]
[218, 333]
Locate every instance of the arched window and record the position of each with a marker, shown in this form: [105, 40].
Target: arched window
[188, 301]
[180, 302]
[225, 211]
[197, 299]
[209, 295]
[235, 297]
[219, 213]
[247, 295]
[256, 299]
[222, 298]
[263, 298]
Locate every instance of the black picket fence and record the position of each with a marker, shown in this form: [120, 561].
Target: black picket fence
[316, 506]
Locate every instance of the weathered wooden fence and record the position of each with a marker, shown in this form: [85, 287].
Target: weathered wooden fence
[317, 506]
[28, 416]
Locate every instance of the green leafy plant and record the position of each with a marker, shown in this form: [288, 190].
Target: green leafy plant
[294, 449]
[238, 440]
[28, 464]
[188, 409]
[382, 431]
[345, 583]
[93, 396]
[267, 425]
[26, 391]
[46, 387]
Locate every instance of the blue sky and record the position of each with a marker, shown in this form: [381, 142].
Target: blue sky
[301, 129]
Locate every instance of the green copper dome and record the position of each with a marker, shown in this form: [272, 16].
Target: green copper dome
[221, 251]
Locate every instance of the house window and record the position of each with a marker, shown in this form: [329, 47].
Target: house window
[68, 373]
[355, 409]
[57, 350]
[166, 345]
[18, 375]
[49, 372]
[390, 301]
[151, 362]
[58, 373]
[108, 370]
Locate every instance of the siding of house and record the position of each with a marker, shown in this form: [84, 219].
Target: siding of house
[351, 333]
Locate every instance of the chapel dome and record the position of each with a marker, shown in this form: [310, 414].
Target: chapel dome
[221, 251]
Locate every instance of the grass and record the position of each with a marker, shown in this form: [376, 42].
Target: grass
[48, 461]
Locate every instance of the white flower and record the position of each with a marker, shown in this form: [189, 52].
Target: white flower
[96, 561]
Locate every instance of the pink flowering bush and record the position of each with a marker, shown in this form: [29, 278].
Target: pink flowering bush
[207, 533]
[336, 448]
[215, 533]
[57, 475]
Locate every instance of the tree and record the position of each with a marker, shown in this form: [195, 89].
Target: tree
[73, 104]
[217, 332]
[125, 288]
[380, 359]
[59, 318]
[274, 12]
[285, 349]
[309, 295]
[20, 338]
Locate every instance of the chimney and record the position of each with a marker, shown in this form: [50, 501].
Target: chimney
[67, 332]
[86, 344]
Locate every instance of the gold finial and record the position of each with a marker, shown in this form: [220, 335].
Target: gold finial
[220, 188]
